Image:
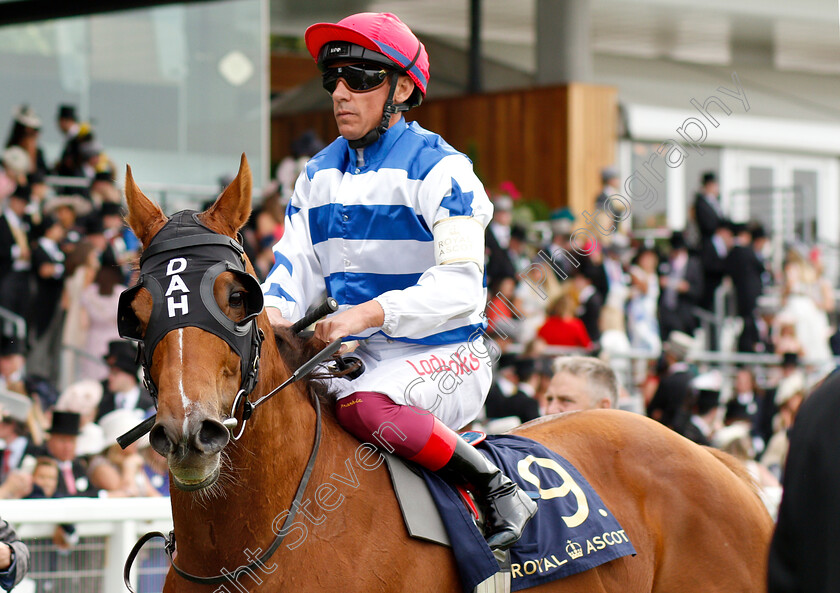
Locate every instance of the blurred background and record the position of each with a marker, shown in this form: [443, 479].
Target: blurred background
[665, 175]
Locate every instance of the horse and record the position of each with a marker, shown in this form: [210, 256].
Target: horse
[695, 520]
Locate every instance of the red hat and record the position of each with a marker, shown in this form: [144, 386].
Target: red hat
[382, 33]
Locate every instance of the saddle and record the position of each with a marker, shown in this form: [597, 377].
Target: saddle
[573, 530]
[423, 521]
[416, 503]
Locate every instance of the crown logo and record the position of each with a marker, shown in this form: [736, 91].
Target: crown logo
[574, 550]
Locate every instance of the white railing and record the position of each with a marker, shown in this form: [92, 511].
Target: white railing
[119, 521]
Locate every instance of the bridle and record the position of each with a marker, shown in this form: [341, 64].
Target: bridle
[179, 268]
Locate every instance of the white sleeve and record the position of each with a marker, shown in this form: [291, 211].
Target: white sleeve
[295, 282]
[450, 291]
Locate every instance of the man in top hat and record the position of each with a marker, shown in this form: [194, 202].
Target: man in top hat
[497, 241]
[681, 280]
[48, 268]
[61, 446]
[609, 181]
[674, 382]
[514, 390]
[699, 418]
[122, 389]
[69, 164]
[713, 254]
[707, 210]
[15, 253]
[745, 264]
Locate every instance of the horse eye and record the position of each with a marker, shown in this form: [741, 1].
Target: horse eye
[237, 299]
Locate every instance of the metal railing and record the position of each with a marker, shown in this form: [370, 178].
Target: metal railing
[12, 325]
[107, 530]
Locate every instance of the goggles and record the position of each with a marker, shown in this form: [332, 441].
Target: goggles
[357, 77]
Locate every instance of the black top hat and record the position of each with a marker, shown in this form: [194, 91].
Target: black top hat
[678, 240]
[525, 367]
[735, 411]
[708, 177]
[757, 230]
[10, 345]
[790, 359]
[518, 232]
[67, 112]
[122, 355]
[111, 209]
[506, 360]
[35, 177]
[22, 192]
[707, 400]
[93, 224]
[103, 176]
[65, 423]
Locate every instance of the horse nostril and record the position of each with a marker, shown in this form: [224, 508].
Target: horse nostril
[160, 441]
[212, 437]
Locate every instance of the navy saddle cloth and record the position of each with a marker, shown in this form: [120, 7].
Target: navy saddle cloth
[573, 530]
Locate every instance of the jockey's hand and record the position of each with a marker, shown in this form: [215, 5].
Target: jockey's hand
[351, 322]
[275, 317]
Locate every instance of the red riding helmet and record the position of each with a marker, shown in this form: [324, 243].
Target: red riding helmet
[381, 38]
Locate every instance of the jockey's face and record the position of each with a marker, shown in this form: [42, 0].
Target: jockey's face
[357, 113]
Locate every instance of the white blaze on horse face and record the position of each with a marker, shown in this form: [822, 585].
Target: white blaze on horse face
[185, 401]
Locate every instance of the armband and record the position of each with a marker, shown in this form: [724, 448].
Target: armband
[459, 239]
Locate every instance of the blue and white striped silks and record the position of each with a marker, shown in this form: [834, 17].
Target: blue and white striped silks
[359, 227]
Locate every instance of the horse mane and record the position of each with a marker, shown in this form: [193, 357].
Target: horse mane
[296, 350]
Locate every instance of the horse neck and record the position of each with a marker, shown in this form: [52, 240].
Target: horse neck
[259, 477]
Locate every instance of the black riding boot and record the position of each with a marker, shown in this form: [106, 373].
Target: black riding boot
[506, 507]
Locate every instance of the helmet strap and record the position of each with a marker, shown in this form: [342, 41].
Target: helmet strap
[389, 110]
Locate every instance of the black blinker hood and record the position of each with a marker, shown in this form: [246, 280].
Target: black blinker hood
[179, 269]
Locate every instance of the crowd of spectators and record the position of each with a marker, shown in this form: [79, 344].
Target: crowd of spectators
[639, 304]
[68, 384]
[66, 254]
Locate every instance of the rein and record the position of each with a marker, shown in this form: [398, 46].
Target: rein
[169, 541]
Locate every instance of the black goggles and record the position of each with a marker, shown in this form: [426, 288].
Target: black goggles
[358, 78]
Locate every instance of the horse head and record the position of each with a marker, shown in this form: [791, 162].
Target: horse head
[193, 311]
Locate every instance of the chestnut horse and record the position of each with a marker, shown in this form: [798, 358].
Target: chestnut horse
[695, 521]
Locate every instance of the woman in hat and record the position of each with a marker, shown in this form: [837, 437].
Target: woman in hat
[69, 210]
[120, 471]
[99, 309]
[80, 270]
[25, 132]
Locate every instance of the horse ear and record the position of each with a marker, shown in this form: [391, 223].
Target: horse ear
[232, 209]
[144, 216]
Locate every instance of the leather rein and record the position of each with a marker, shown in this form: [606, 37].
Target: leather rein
[248, 408]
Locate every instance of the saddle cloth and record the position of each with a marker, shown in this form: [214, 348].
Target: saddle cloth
[573, 530]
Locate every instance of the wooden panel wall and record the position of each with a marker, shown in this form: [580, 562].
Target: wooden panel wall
[593, 129]
[551, 142]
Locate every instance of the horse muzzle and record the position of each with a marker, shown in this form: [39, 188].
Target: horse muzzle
[193, 455]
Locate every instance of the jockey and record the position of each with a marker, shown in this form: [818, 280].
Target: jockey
[389, 220]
